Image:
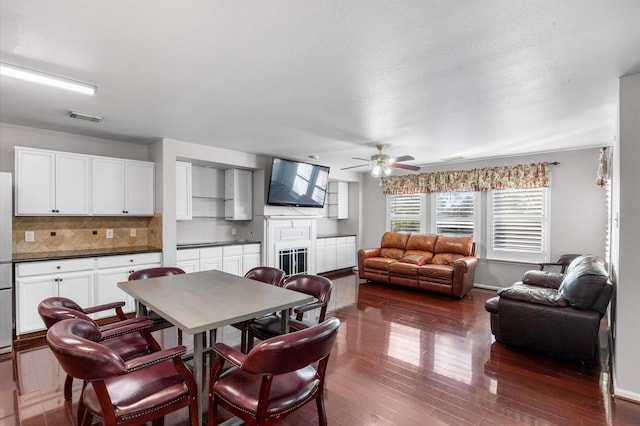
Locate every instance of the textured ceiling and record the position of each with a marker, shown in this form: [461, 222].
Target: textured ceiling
[433, 79]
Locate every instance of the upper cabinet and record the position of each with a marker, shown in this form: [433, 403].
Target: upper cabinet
[122, 187]
[338, 200]
[63, 183]
[238, 195]
[51, 183]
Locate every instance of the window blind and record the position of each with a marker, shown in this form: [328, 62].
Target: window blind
[405, 212]
[518, 220]
[455, 213]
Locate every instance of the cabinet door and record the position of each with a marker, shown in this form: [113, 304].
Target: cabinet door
[30, 292]
[341, 253]
[72, 184]
[232, 265]
[330, 259]
[320, 256]
[183, 190]
[189, 266]
[351, 251]
[107, 290]
[139, 188]
[35, 182]
[210, 264]
[108, 186]
[77, 286]
[238, 195]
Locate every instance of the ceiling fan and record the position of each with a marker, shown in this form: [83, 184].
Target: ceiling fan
[382, 163]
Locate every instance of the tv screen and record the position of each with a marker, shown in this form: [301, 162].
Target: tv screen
[298, 184]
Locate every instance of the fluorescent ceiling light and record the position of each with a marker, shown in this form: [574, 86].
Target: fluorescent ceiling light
[46, 79]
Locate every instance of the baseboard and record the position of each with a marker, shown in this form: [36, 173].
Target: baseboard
[486, 287]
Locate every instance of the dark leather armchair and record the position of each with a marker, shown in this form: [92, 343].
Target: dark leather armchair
[128, 338]
[319, 287]
[159, 322]
[119, 391]
[275, 378]
[554, 313]
[267, 275]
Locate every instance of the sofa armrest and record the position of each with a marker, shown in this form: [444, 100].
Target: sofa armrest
[464, 272]
[543, 279]
[533, 294]
[362, 255]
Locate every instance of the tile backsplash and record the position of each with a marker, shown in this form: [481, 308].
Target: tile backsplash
[59, 233]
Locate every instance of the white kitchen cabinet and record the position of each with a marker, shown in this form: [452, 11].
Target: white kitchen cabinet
[341, 252]
[207, 192]
[338, 200]
[238, 195]
[330, 254]
[36, 281]
[122, 187]
[183, 191]
[351, 251]
[211, 258]
[232, 259]
[320, 255]
[251, 257]
[333, 253]
[51, 182]
[188, 260]
[110, 270]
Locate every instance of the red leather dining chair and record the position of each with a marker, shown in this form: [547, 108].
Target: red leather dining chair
[159, 323]
[265, 274]
[275, 378]
[319, 287]
[122, 392]
[129, 337]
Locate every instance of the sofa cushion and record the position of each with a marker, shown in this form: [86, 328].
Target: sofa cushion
[445, 258]
[416, 259]
[582, 286]
[381, 263]
[397, 240]
[422, 242]
[436, 272]
[533, 294]
[459, 245]
[401, 268]
[392, 253]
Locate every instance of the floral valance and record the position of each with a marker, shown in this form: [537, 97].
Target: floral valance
[535, 175]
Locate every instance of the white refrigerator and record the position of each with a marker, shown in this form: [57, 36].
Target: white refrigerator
[6, 265]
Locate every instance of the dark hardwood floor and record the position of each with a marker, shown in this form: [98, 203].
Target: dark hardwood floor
[402, 358]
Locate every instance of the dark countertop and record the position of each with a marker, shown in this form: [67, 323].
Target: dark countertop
[335, 235]
[74, 254]
[183, 246]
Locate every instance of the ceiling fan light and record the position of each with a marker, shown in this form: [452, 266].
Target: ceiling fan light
[387, 171]
[375, 172]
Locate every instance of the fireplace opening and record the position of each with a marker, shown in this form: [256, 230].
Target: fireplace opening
[293, 261]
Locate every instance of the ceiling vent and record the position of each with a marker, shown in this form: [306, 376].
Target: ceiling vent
[85, 116]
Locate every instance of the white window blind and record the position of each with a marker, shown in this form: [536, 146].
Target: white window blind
[518, 224]
[455, 213]
[405, 212]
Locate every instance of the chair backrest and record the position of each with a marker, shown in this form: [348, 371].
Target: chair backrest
[313, 285]
[292, 351]
[266, 274]
[143, 274]
[73, 342]
[55, 309]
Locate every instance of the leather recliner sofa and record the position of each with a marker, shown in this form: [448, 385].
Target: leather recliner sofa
[440, 264]
[554, 313]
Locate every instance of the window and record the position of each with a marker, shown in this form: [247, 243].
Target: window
[518, 224]
[454, 213]
[404, 212]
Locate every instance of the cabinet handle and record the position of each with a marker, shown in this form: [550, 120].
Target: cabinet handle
[58, 267]
[131, 260]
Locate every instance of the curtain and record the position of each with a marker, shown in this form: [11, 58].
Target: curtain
[601, 177]
[534, 175]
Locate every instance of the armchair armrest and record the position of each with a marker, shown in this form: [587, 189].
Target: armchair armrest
[543, 279]
[117, 306]
[307, 307]
[296, 325]
[230, 354]
[144, 361]
[131, 327]
[118, 324]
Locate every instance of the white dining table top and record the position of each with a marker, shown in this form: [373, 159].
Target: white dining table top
[201, 301]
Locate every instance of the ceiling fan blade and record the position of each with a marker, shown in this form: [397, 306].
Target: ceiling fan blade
[405, 166]
[361, 159]
[353, 167]
[402, 158]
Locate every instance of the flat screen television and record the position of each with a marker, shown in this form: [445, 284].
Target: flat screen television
[297, 184]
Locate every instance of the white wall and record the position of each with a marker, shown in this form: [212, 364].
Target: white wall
[578, 214]
[12, 135]
[626, 241]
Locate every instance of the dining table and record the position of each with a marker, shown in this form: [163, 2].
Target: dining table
[200, 302]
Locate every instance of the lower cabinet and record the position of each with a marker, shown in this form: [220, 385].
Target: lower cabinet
[210, 258]
[232, 259]
[88, 282]
[333, 253]
[235, 259]
[188, 260]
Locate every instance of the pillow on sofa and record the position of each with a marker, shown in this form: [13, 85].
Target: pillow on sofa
[416, 259]
[583, 285]
[445, 258]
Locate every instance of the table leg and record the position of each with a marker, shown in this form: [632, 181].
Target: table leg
[198, 372]
[284, 321]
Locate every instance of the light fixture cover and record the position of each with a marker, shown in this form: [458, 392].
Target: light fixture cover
[39, 77]
[85, 116]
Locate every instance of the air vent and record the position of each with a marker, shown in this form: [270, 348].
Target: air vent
[85, 116]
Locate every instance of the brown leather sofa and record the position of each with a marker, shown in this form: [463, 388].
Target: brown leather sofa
[554, 313]
[441, 264]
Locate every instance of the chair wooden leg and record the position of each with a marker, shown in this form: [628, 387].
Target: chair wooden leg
[68, 392]
[322, 414]
[179, 337]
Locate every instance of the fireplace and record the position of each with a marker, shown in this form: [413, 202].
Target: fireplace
[290, 243]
